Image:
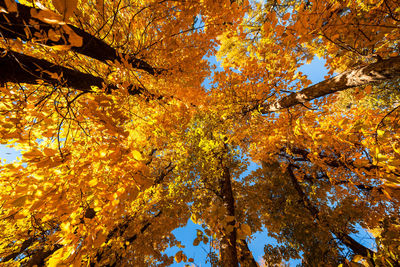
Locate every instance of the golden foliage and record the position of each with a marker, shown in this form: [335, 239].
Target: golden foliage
[107, 173]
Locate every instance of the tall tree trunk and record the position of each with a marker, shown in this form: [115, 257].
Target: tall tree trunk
[228, 248]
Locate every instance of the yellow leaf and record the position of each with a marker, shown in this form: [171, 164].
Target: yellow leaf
[65, 7]
[93, 182]
[66, 226]
[392, 185]
[137, 155]
[55, 258]
[357, 258]
[178, 256]
[193, 218]
[49, 151]
[376, 232]
[380, 157]
[115, 202]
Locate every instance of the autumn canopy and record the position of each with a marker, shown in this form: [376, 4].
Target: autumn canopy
[127, 130]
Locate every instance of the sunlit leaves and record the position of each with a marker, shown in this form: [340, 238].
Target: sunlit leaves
[106, 174]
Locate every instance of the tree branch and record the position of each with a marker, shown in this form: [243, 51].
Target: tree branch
[120, 229]
[373, 73]
[20, 68]
[347, 240]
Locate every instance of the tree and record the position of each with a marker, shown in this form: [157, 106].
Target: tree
[121, 143]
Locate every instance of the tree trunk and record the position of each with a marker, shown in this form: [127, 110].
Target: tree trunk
[19, 68]
[377, 72]
[228, 249]
[246, 258]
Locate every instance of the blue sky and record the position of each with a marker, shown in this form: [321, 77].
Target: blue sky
[7, 154]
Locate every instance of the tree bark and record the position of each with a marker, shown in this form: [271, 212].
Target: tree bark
[246, 258]
[370, 74]
[228, 246]
[20, 68]
[25, 25]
